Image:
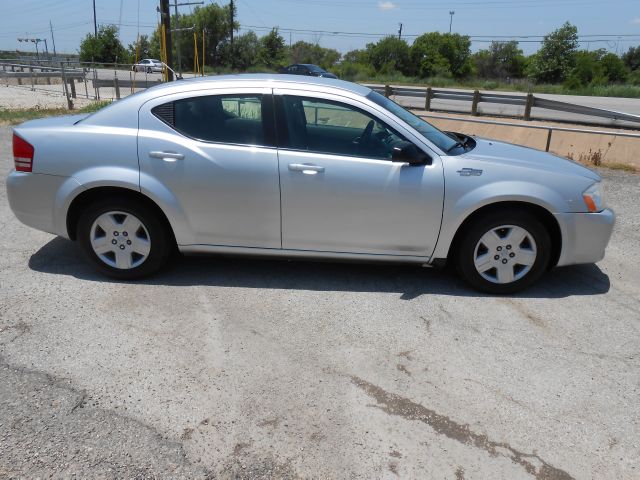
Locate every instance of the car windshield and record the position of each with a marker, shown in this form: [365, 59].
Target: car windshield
[439, 138]
[315, 68]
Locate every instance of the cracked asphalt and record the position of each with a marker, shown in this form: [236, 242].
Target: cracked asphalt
[236, 368]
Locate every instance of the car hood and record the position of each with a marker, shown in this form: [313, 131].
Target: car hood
[496, 152]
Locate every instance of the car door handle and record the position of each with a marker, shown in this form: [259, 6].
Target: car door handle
[167, 156]
[305, 168]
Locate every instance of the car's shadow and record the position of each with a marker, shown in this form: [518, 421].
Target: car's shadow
[63, 257]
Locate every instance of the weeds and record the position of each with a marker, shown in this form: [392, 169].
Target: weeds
[14, 117]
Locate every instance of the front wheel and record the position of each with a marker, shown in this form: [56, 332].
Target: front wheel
[122, 239]
[504, 252]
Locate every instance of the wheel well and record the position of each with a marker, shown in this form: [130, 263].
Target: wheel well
[89, 196]
[541, 213]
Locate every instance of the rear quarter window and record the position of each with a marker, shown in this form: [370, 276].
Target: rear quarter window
[234, 119]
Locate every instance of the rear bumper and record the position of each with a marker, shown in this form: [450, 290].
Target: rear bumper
[40, 201]
[584, 236]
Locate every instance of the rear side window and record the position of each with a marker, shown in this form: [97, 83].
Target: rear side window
[235, 119]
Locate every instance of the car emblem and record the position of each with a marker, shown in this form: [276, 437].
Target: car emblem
[470, 172]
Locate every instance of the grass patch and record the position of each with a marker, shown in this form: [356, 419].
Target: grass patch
[625, 167]
[14, 117]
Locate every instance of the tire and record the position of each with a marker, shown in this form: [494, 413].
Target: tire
[134, 242]
[149, 70]
[503, 252]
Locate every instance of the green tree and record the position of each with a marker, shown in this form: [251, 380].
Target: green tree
[441, 54]
[305, 52]
[500, 60]
[103, 48]
[356, 56]
[588, 70]
[247, 47]
[597, 67]
[272, 51]
[632, 58]
[140, 49]
[388, 55]
[614, 68]
[557, 56]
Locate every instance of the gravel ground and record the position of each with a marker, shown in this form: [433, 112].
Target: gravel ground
[15, 97]
[238, 368]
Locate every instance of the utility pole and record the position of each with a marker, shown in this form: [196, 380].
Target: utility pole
[165, 20]
[232, 14]
[95, 22]
[451, 13]
[53, 39]
[175, 6]
[400, 32]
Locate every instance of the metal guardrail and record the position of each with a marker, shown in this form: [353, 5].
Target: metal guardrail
[550, 129]
[528, 101]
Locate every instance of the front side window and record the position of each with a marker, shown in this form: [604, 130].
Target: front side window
[439, 138]
[325, 126]
[235, 119]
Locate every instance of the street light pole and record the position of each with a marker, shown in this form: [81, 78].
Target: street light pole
[451, 13]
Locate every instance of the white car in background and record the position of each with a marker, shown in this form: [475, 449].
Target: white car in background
[148, 65]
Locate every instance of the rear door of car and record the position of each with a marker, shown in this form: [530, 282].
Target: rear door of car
[209, 157]
[337, 197]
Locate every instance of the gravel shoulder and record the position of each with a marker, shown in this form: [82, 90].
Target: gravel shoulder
[264, 369]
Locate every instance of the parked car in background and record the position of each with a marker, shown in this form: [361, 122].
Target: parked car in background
[279, 165]
[148, 65]
[307, 69]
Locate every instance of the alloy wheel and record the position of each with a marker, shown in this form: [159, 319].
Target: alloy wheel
[505, 254]
[120, 240]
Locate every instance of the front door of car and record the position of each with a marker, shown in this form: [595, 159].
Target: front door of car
[340, 190]
[209, 159]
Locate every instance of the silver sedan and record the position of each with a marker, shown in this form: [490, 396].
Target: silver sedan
[279, 165]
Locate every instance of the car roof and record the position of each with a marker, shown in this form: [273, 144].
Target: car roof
[276, 80]
[119, 113]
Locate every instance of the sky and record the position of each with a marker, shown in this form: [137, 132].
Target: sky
[341, 24]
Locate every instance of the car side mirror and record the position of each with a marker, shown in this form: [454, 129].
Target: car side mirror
[407, 152]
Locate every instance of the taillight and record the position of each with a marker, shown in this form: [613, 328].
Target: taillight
[22, 154]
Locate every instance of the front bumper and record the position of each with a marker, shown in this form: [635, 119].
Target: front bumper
[584, 236]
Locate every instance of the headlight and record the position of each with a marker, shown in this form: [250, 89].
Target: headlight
[592, 197]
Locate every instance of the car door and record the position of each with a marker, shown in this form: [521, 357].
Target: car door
[343, 194]
[208, 157]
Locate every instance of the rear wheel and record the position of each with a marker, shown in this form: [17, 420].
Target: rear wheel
[124, 240]
[504, 252]
[149, 70]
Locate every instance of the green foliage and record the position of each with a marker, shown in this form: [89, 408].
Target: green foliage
[304, 52]
[557, 56]
[140, 49]
[388, 55]
[246, 49]
[632, 58]
[443, 54]
[105, 48]
[272, 51]
[597, 67]
[500, 60]
[614, 68]
[634, 77]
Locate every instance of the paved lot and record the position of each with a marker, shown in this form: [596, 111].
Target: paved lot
[265, 369]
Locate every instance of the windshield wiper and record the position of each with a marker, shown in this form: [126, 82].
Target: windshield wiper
[457, 144]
